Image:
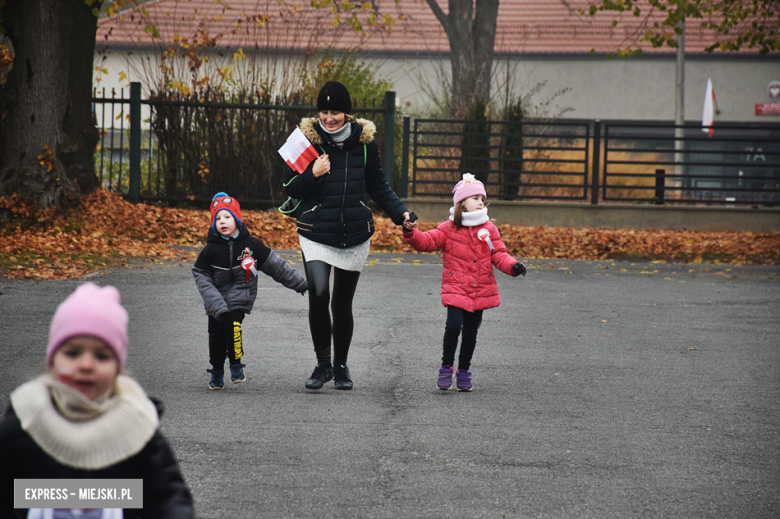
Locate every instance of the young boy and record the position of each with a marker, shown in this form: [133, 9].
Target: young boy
[226, 276]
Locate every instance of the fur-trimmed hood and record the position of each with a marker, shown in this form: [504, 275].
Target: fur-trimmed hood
[333, 208]
[307, 127]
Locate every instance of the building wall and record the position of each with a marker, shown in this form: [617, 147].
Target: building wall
[602, 88]
[599, 88]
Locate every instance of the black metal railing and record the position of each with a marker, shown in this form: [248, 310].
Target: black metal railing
[174, 149]
[664, 163]
[529, 159]
[110, 114]
[183, 149]
[639, 161]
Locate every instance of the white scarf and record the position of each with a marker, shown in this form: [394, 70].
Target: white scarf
[82, 433]
[340, 135]
[472, 218]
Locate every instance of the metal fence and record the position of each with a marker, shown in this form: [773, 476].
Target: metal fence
[736, 164]
[639, 161]
[183, 149]
[173, 149]
[543, 160]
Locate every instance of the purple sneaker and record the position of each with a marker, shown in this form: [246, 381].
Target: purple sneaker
[445, 377]
[463, 380]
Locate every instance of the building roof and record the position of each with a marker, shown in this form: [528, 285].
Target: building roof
[524, 27]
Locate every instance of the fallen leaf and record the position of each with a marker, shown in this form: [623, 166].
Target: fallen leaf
[105, 227]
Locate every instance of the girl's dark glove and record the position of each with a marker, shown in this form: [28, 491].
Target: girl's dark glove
[519, 269]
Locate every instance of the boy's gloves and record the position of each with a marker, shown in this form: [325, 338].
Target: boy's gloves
[519, 269]
[221, 317]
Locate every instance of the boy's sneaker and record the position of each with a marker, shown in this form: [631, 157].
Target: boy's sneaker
[237, 373]
[341, 377]
[321, 374]
[445, 377]
[217, 378]
[463, 380]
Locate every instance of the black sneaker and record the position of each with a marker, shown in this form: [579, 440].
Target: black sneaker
[321, 374]
[237, 373]
[217, 378]
[341, 375]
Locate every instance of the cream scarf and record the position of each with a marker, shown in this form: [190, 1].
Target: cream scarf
[472, 218]
[82, 433]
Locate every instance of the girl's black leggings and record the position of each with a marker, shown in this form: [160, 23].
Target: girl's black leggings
[344, 285]
[457, 320]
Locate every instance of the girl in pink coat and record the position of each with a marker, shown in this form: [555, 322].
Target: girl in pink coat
[470, 245]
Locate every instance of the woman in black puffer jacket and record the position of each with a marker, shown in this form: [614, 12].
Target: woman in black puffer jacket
[335, 224]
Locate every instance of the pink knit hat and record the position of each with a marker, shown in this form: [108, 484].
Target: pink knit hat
[94, 311]
[466, 188]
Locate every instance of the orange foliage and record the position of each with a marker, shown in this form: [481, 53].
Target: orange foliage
[104, 229]
[47, 158]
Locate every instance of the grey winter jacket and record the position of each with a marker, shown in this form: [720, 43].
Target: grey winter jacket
[221, 280]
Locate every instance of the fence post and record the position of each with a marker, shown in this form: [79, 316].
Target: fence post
[596, 164]
[134, 190]
[404, 188]
[389, 136]
[660, 185]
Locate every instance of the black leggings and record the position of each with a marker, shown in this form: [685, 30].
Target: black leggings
[469, 322]
[344, 285]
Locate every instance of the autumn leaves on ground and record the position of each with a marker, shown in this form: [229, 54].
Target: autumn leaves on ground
[106, 231]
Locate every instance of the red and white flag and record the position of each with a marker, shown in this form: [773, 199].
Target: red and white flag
[298, 152]
[709, 108]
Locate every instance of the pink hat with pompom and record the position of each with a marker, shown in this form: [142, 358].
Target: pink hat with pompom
[93, 311]
[466, 188]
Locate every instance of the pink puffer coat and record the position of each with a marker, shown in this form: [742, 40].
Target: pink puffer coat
[467, 281]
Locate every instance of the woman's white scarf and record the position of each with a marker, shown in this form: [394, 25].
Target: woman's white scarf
[340, 135]
[472, 218]
[82, 433]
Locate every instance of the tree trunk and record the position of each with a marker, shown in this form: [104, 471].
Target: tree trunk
[81, 133]
[47, 142]
[475, 142]
[472, 36]
[511, 164]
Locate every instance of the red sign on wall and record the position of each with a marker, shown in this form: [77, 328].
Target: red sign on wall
[767, 108]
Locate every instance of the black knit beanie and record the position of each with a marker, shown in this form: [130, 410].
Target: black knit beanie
[334, 96]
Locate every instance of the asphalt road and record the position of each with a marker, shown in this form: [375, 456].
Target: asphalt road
[601, 390]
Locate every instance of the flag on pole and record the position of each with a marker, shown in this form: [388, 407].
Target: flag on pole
[709, 108]
[298, 152]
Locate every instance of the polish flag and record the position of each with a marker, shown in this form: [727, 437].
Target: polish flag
[709, 108]
[298, 152]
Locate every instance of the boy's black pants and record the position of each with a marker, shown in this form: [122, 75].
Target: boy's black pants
[225, 339]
